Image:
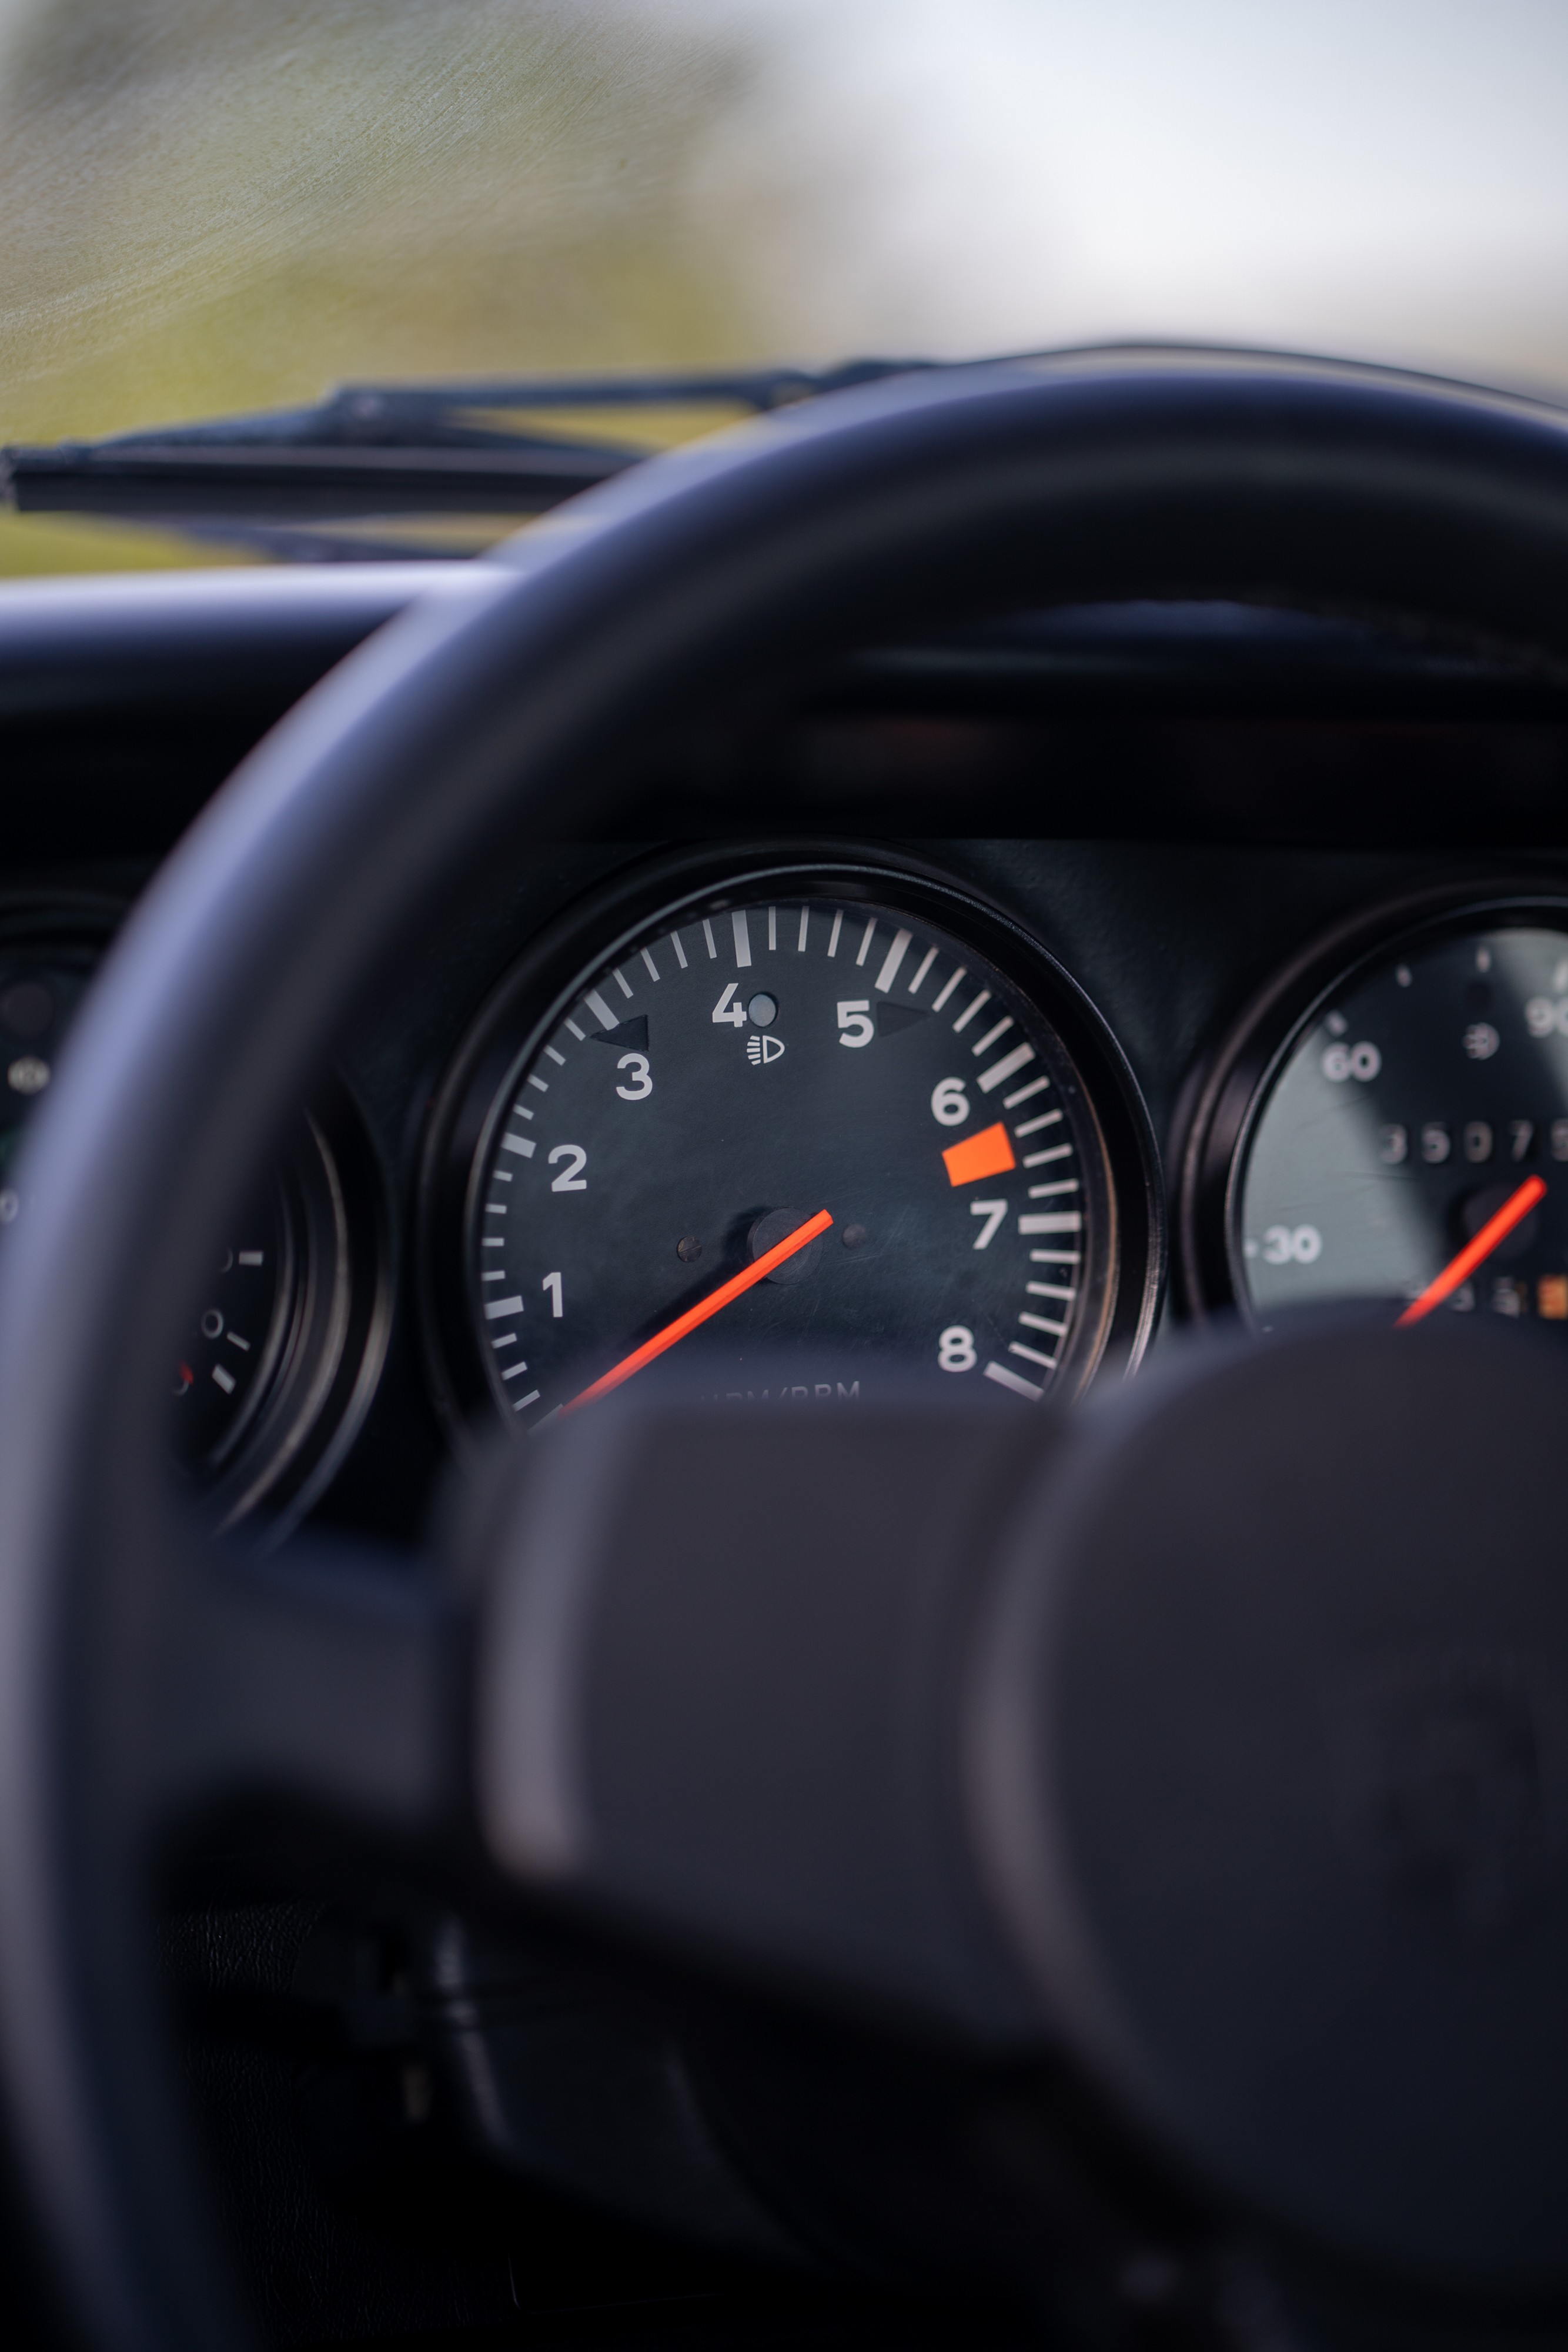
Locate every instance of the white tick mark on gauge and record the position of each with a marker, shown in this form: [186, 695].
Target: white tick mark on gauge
[969, 1010]
[578, 1034]
[252, 1257]
[1011, 1102]
[652, 967]
[801, 942]
[1006, 1068]
[542, 1084]
[1057, 1151]
[1004, 1379]
[893, 960]
[507, 1340]
[738, 924]
[523, 1145]
[708, 934]
[235, 1341]
[224, 1379]
[1057, 1221]
[601, 1010]
[622, 981]
[680, 951]
[1033, 1126]
[496, 1307]
[834, 934]
[927, 961]
[515, 1371]
[948, 986]
[865, 942]
[1000, 1030]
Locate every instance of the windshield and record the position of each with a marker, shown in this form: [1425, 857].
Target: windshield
[214, 205]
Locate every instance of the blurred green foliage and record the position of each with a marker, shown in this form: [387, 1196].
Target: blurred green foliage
[220, 205]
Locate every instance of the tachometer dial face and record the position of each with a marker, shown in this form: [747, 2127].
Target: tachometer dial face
[1411, 1144]
[793, 1142]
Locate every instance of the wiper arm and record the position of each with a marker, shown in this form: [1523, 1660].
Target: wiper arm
[385, 450]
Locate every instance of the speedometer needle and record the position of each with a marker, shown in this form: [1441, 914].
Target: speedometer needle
[705, 1309]
[1514, 1211]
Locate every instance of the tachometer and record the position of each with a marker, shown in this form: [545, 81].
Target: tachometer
[1395, 1128]
[830, 1124]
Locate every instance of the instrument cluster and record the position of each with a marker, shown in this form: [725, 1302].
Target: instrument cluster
[808, 1127]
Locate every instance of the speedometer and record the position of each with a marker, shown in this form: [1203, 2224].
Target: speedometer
[1394, 1129]
[816, 1129]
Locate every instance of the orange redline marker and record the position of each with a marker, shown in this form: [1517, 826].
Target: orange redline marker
[703, 1311]
[990, 1153]
[1514, 1211]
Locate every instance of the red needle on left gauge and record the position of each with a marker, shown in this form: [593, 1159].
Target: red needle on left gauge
[1514, 1211]
[705, 1309]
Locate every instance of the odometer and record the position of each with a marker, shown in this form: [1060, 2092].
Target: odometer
[799, 1138]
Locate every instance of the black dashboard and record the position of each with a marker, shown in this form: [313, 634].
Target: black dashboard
[1158, 809]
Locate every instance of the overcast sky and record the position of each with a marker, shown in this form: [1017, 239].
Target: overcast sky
[217, 204]
[1381, 175]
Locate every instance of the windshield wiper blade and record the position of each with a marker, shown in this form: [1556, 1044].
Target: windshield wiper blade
[379, 450]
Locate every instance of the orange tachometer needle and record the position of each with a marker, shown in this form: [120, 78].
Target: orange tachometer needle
[705, 1309]
[1514, 1209]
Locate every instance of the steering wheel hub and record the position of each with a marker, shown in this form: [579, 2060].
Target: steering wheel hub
[1274, 1746]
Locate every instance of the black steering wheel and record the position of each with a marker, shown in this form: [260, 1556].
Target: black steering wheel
[1082, 1771]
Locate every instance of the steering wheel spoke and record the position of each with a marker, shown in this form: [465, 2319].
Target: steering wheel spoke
[720, 1683]
[328, 1675]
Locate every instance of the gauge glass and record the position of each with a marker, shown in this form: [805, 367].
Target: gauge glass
[275, 1370]
[741, 1074]
[232, 1353]
[1422, 1108]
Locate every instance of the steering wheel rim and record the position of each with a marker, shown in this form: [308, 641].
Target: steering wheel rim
[726, 564]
